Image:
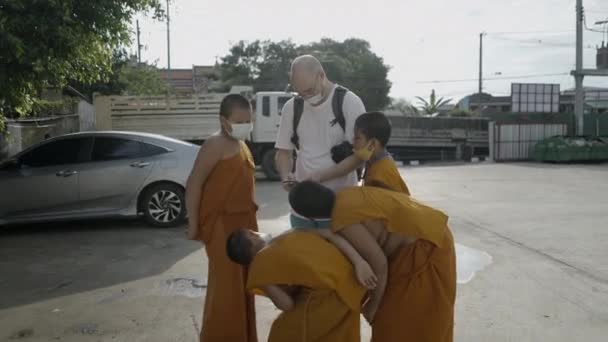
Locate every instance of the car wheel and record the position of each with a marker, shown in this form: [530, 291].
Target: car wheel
[269, 166]
[164, 205]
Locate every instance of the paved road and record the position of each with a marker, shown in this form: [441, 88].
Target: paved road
[544, 228]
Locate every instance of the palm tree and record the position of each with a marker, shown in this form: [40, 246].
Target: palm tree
[433, 105]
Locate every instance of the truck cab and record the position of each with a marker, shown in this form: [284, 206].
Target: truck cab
[267, 109]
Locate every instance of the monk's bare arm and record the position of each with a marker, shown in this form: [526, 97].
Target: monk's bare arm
[361, 239]
[208, 156]
[363, 271]
[346, 166]
[279, 297]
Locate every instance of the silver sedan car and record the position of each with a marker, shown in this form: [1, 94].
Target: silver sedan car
[98, 174]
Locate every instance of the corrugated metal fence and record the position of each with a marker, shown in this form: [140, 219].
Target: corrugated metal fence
[514, 142]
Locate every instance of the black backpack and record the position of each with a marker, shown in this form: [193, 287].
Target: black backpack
[337, 103]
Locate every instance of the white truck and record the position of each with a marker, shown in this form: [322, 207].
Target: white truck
[193, 119]
[197, 117]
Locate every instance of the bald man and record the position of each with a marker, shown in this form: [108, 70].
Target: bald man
[318, 129]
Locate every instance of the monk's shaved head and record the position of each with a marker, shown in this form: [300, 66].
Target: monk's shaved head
[307, 64]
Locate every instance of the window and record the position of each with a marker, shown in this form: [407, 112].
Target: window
[116, 148]
[58, 152]
[148, 150]
[266, 106]
[281, 103]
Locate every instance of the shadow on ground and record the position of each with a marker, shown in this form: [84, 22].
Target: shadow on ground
[44, 261]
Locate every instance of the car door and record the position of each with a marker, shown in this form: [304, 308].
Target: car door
[118, 169]
[44, 180]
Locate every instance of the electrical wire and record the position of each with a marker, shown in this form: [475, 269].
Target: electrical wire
[493, 78]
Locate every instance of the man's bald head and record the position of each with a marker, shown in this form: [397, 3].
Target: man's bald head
[307, 76]
[307, 64]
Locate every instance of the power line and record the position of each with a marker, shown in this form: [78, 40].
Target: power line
[539, 42]
[493, 78]
[530, 32]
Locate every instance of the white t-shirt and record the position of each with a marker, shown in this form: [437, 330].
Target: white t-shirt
[318, 136]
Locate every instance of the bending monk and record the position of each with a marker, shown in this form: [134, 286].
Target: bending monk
[317, 291]
[410, 249]
[220, 196]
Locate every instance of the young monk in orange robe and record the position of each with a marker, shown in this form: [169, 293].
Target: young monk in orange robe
[307, 277]
[411, 250]
[220, 196]
[372, 133]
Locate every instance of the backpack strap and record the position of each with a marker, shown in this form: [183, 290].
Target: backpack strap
[298, 109]
[337, 104]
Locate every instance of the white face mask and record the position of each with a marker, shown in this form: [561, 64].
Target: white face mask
[315, 100]
[241, 131]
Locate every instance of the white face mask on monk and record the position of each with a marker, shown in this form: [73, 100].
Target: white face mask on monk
[241, 131]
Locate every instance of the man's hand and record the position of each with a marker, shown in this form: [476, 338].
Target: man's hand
[365, 275]
[289, 182]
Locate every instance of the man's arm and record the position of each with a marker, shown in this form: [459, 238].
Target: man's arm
[284, 163]
[280, 298]
[360, 238]
[283, 144]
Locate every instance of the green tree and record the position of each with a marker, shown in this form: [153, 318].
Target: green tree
[354, 65]
[265, 65]
[50, 43]
[127, 77]
[433, 105]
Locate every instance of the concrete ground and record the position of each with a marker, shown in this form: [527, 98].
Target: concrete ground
[545, 228]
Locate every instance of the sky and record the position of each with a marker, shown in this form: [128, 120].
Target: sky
[421, 41]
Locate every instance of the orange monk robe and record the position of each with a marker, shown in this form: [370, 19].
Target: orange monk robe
[418, 304]
[327, 309]
[227, 205]
[385, 171]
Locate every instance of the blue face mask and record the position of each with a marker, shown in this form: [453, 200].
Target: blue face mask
[321, 223]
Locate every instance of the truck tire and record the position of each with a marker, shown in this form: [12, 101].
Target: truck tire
[268, 165]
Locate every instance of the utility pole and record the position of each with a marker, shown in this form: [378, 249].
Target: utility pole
[480, 63]
[480, 68]
[579, 97]
[168, 43]
[138, 44]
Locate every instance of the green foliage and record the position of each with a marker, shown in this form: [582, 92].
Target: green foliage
[46, 108]
[432, 105]
[351, 63]
[126, 78]
[50, 43]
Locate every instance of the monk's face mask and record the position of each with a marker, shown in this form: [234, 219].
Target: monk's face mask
[365, 152]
